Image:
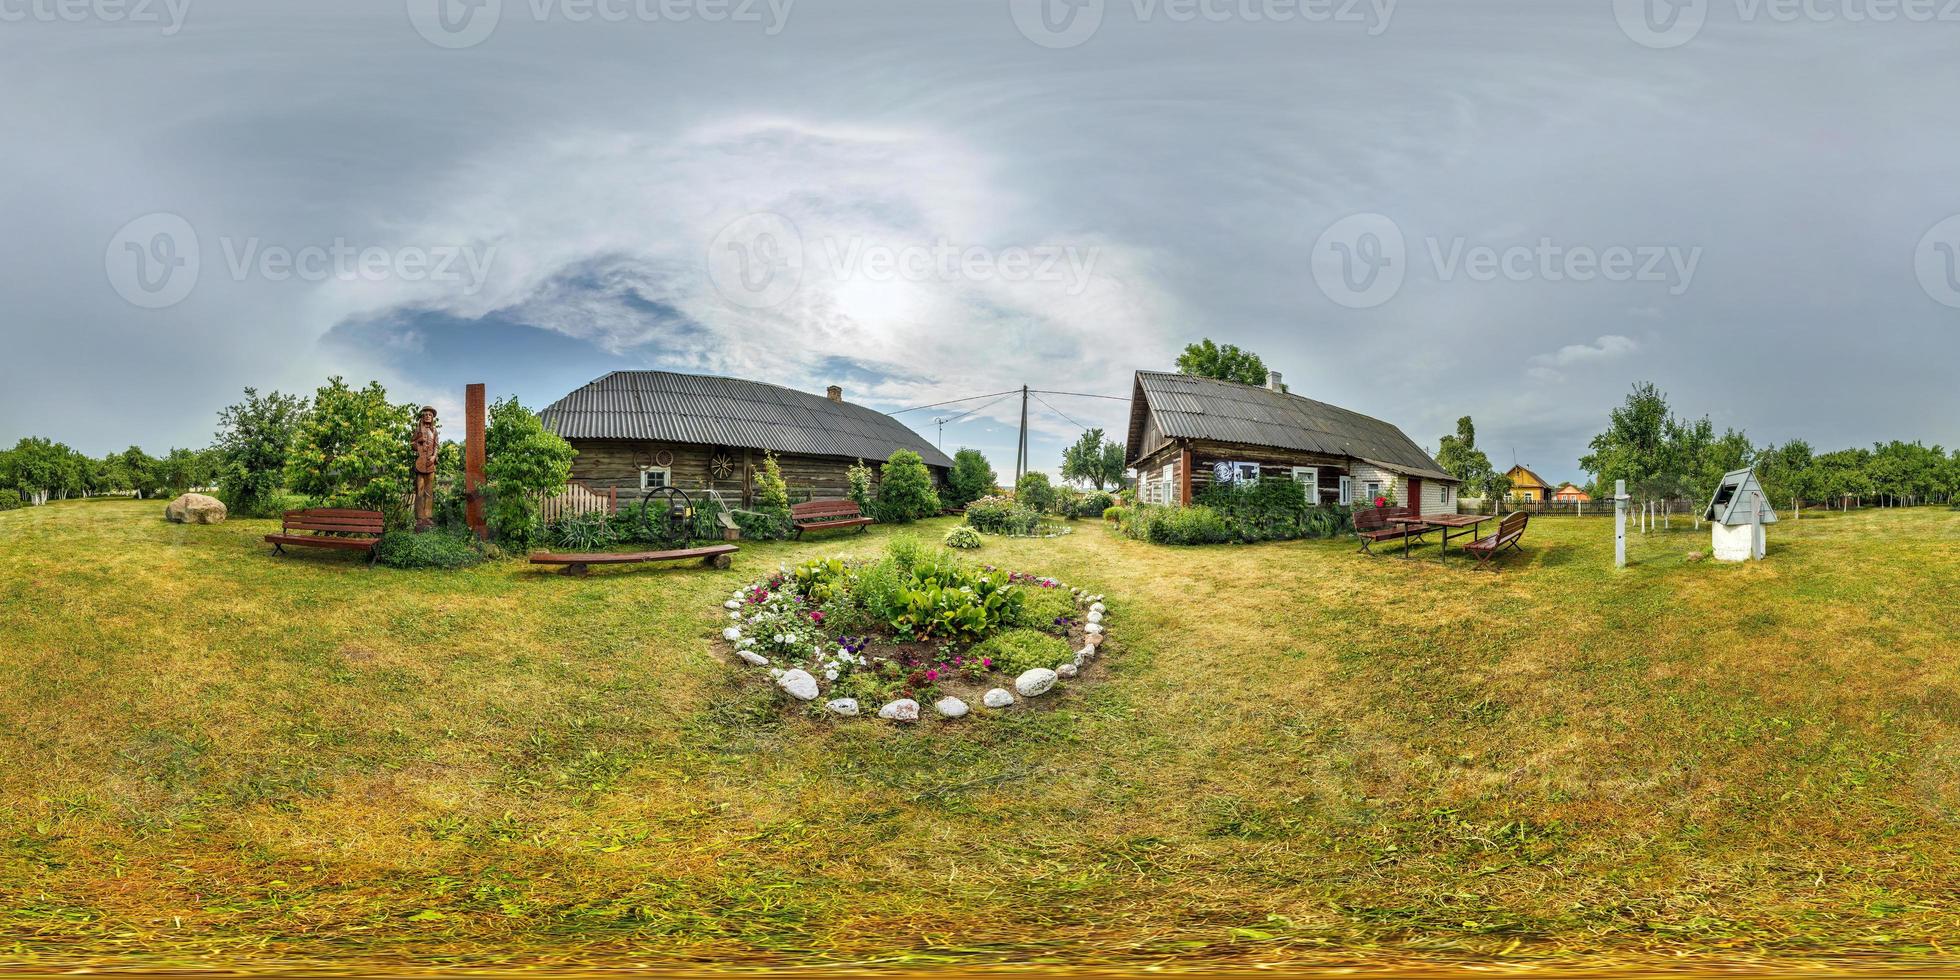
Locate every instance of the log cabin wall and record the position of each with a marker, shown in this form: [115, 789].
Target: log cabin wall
[615, 463]
[1273, 464]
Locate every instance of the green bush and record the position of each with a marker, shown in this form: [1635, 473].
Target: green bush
[757, 526]
[771, 493]
[432, 549]
[10, 500]
[583, 532]
[1018, 651]
[859, 476]
[1092, 504]
[1177, 525]
[1000, 515]
[1116, 514]
[971, 478]
[946, 599]
[963, 537]
[1035, 493]
[905, 491]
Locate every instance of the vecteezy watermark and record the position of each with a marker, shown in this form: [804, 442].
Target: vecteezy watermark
[1067, 23]
[760, 260]
[156, 260]
[1362, 260]
[1672, 23]
[467, 23]
[167, 15]
[1937, 262]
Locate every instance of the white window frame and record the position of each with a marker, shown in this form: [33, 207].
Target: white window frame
[1310, 485]
[1370, 490]
[666, 477]
[1347, 490]
[1447, 491]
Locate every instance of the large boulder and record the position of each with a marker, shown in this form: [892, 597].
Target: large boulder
[1034, 683]
[195, 508]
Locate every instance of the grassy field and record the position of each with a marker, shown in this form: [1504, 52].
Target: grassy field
[209, 755]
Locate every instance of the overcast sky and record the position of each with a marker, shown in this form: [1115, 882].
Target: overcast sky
[1416, 210]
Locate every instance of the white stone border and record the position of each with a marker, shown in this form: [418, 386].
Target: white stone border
[801, 685]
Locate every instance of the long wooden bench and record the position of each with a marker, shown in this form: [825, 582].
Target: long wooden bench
[713, 556]
[827, 515]
[1509, 531]
[1372, 524]
[328, 527]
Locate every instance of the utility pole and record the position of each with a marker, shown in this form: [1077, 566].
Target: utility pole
[942, 432]
[1021, 450]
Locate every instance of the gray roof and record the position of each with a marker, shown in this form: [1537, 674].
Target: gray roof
[1737, 494]
[660, 406]
[1188, 407]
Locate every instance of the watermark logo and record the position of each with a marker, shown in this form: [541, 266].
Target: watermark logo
[1362, 261]
[756, 262]
[167, 15]
[153, 262]
[1068, 23]
[1057, 23]
[455, 23]
[1359, 261]
[156, 260]
[1661, 24]
[760, 260]
[1937, 262]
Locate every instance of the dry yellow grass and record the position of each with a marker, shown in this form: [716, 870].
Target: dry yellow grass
[209, 755]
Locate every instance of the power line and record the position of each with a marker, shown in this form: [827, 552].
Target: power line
[1059, 412]
[954, 401]
[1079, 394]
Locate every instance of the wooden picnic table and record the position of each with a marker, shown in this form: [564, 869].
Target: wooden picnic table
[1449, 524]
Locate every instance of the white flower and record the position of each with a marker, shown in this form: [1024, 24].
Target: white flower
[830, 675]
[745, 642]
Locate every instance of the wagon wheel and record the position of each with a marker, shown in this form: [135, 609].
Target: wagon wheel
[722, 466]
[677, 529]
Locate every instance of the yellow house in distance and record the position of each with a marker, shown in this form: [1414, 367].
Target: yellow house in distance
[1526, 485]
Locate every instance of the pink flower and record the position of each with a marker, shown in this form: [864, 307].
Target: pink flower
[989, 661]
[932, 675]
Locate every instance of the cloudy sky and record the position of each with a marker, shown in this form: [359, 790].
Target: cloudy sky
[1418, 210]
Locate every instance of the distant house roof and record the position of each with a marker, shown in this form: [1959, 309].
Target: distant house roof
[661, 406]
[1187, 407]
[1571, 490]
[1534, 481]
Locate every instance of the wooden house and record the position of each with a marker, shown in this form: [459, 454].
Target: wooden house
[1571, 494]
[639, 430]
[1526, 485]
[1187, 432]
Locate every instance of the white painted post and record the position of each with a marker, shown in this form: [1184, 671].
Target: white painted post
[1756, 543]
[1619, 523]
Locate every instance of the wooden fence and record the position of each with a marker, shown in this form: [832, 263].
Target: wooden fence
[1585, 508]
[577, 500]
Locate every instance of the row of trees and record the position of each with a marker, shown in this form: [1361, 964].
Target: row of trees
[1664, 457]
[38, 470]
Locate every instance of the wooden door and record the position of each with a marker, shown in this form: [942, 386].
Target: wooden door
[1415, 496]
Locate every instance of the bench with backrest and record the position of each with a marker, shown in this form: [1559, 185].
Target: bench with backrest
[328, 527]
[578, 566]
[1509, 530]
[827, 515]
[1372, 524]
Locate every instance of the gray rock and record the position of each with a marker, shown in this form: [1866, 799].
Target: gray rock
[1035, 682]
[1097, 607]
[1092, 628]
[798, 684]
[755, 659]
[903, 709]
[950, 707]
[1066, 670]
[997, 698]
[1094, 616]
[195, 508]
[848, 707]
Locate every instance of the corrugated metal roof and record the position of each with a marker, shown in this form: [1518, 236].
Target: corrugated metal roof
[660, 406]
[1188, 407]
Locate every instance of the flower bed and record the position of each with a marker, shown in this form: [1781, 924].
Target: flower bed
[912, 633]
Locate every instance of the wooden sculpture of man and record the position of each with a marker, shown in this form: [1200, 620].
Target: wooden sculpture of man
[427, 447]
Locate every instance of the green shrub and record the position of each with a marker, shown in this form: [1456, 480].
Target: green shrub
[1018, 651]
[1001, 515]
[861, 494]
[905, 491]
[432, 549]
[771, 493]
[945, 599]
[757, 526]
[963, 537]
[10, 500]
[1177, 525]
[970, 479]
[1035, 493]
[1116, 514]
[583, 532]
[1092, 504]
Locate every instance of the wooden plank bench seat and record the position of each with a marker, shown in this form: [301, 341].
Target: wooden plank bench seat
[825, 515]
[713, 556]
[328, 527]
[1372, 524]
[1509, 531]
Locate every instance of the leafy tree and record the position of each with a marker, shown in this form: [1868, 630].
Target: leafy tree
[1093, 461]
[970, 479]
[522, 462]
[1635, 446]
[1206, 359]
[861, 480]
[1459, 456]
[255, 441]
[352, 450]
[905, 491]
[1788, 473]
[180, 470]
[1035, 492]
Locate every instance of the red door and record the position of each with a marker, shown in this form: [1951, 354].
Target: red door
[1415, 496]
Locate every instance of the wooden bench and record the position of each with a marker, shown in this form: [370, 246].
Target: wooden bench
[827, 515]
[713, 556]
[1509, 530]
[328, 527]
[1372, 524]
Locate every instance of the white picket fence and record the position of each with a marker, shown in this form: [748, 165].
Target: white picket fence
[577, 500]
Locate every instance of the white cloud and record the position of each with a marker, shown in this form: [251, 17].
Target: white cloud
[1547, 367]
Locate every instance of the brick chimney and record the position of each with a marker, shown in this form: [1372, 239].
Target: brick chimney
[1272, 381]
[835, 393]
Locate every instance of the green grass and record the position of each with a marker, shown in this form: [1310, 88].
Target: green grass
[210, 755]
